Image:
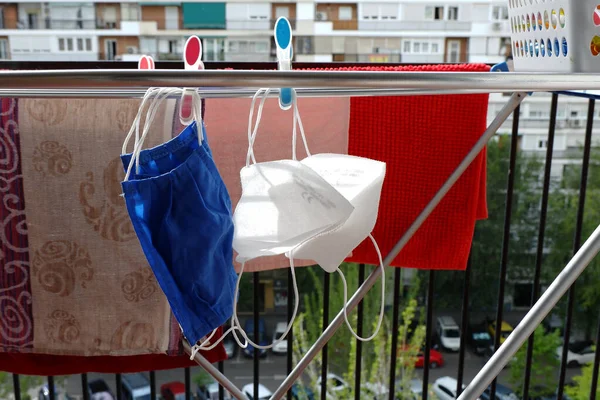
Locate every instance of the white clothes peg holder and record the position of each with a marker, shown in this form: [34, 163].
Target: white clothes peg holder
[192, 59]
[283, 41]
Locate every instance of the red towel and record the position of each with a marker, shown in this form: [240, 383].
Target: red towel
[423, 139]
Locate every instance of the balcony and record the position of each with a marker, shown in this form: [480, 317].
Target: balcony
[400, 25]
[505, 250]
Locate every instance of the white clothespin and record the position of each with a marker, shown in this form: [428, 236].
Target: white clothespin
[283, 40]
[190, 108]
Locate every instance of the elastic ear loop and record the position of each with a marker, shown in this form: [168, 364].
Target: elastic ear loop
[135, 126]
[296, 114]
[252, 134]
[149, 118]
[154, 107]
[381, 312]
[198, 117]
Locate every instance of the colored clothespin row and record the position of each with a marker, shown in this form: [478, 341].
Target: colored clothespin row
[283, 40]
[190, 107]
[146, 62]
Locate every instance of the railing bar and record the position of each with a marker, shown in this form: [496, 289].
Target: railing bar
[152, 385]
[594, 386]
[51, 388]
[188, 383]
[576, 245]
[359, 332]
[290, 336]
[326, 289]
[336, 323]
[428, 333]
[541, 232]
[464, 322]
[118, 384]
[395, 318]
[85, 391]
[16, 386]
[221, 366]
[256, 333]
[506, 236]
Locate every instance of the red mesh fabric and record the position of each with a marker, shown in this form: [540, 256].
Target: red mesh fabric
[423, 139]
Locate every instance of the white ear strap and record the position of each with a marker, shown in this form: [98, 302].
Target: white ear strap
[381, 312]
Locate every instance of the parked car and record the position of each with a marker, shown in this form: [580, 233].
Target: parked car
[579, 353]
[445, 388]
[448, 333]
[262, 337]
[135, 387]
[281, 347]
[436, 359]
[173, 391]
[211, 392]
[337, 385]
[502, 393]
[59, 394]
[478, 338]
[99, 390]
[263, 392]
[505, 330]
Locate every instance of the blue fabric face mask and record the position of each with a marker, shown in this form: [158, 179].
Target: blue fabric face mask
[181, 213]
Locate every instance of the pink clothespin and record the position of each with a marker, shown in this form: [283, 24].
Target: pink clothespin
[190, 107]
[146, 62]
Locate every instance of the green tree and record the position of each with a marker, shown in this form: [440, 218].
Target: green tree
[583, 384]
[487, 240]
[562, 219]
[543, 367]
[342, 347]
[27, 383]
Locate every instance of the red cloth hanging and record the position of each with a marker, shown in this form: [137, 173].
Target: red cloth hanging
[423, 139]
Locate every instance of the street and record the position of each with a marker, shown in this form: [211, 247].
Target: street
[272, 372]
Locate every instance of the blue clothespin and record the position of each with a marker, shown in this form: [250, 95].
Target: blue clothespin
[283, 40]
[504, 67]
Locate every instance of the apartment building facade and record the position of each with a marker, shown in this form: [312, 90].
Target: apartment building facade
[332, 30]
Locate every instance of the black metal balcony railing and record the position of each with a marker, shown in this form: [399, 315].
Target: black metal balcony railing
[511, 196]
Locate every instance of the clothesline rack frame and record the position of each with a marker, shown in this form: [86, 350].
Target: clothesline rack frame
[242, 83]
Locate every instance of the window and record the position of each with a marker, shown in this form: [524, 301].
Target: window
[88, 44]
[69, 44]
[542, 144]
[2, 18]
[130, 12]
[259, 11]
[345, 13]
[388, 11]
[61, 44]
[416, 47]
[4, 49]
[425, 47]
[79, 44]
[407, 47]
[452, 13]
[304, 44]
[499, 13]
[435, 48]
